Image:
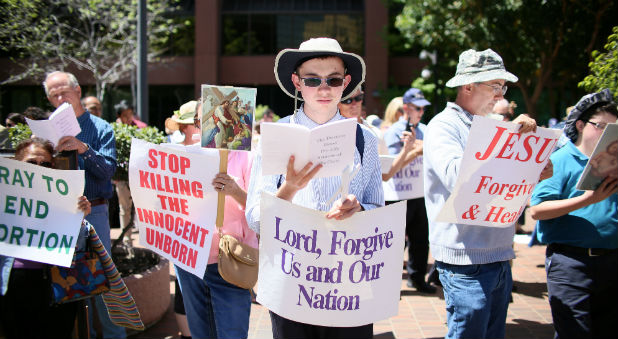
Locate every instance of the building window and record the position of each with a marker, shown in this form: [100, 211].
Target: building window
[266, 27]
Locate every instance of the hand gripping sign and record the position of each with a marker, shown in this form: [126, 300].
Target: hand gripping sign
[175, 202]
[498, 172]
[330, 272]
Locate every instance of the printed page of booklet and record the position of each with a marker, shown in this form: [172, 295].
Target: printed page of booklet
[61, 123]
[603, 161]
[332, 145]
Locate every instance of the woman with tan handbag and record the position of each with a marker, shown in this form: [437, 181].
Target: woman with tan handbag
[216, 308]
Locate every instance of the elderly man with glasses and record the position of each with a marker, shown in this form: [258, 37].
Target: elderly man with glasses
[473, 261]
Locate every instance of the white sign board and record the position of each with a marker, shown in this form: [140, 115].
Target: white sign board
[175, 202]
[405, 184]
[498, 172]
[329, 272]
[39, 219]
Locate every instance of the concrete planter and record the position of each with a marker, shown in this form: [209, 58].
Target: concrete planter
[151, 290]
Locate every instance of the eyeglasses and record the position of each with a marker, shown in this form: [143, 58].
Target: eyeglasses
[597, 125]
[42, 163]
[357, 98]
[497, 88]
[316, 82]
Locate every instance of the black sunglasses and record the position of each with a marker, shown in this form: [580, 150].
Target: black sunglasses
[42, 163]
[357, 98]
[316, 82]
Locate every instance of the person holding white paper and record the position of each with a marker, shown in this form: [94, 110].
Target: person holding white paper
[96, 154]
[320, 74]
[405, 139]
[25, 286]
[473, 261]
[581, 228]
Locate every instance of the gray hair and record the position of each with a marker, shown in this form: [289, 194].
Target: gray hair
[72, 80]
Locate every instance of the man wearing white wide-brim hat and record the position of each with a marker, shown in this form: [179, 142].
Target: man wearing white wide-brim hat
[320, 75]
[473, 261]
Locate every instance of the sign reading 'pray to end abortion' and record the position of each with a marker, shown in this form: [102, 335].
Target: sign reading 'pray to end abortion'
[39, 219]
[498, 172]
[330, 272]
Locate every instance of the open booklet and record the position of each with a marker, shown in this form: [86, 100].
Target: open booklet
[330, 144]
[602, 162]
[60, 123]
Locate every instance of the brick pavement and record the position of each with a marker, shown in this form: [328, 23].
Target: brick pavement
[424, 316]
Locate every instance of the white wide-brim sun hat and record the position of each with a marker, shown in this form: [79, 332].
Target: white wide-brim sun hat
[184, 115]
[289, 59]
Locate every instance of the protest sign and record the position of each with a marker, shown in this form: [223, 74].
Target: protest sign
[175, 202]
[330, 272]
[405, 184]
[227, 117]
[38, 209]
[497, 174]
[331, 145]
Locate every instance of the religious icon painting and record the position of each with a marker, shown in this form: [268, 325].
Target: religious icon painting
[227, 117]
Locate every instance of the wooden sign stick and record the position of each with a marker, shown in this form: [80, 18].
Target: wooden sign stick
[221, 197]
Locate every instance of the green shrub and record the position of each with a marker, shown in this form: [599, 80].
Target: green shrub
[124, 134]
[19, 133]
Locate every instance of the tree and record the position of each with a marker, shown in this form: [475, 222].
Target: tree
[96, 35]
[604, 68]
[545, 43]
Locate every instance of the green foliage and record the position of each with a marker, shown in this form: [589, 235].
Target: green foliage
[545, 43]
[604, 68]
[94, 35]
[124, 134]
[19, 133]
[259, 113]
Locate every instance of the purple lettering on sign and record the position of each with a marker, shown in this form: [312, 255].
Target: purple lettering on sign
[328, 301]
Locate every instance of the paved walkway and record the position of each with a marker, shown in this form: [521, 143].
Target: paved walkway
[424, 316]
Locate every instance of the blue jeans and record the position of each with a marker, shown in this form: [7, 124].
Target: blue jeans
[99, 218]
[214, 307]
[477, 298]
[582, 293]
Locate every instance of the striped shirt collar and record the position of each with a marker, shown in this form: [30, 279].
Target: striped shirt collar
[302, 119]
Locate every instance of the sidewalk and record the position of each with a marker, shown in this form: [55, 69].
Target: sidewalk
[424, 316]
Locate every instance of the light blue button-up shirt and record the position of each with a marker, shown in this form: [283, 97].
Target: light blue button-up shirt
[366, 185]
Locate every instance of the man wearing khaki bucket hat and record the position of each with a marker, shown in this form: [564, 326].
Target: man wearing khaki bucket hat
[473, 261]
[319, 74]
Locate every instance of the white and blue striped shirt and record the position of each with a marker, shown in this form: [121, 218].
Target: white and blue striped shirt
[366, 185]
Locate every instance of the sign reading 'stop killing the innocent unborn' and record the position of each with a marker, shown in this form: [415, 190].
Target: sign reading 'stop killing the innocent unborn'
[175, 202]
[39, 219]
[498, 173]
[329, 272]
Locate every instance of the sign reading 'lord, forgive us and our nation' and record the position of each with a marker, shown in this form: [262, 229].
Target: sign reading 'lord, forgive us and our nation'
[330, 272]
[498, 172]
[175, 202]
[405, 184]
[39, 219]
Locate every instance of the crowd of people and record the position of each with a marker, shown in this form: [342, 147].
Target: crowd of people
[471, 261]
